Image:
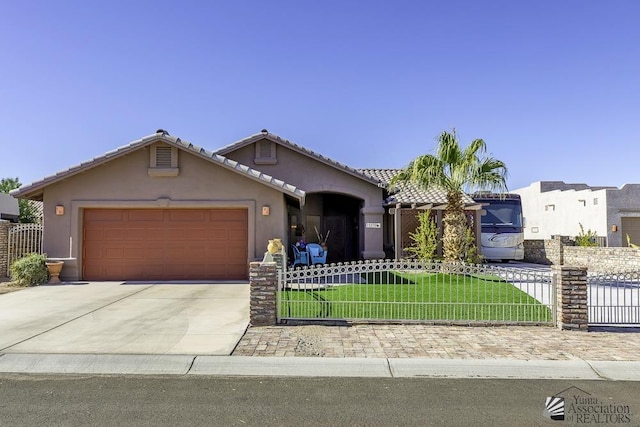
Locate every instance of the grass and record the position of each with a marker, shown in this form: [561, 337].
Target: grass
[422, 296]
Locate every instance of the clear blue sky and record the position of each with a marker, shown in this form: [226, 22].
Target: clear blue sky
[552, 86]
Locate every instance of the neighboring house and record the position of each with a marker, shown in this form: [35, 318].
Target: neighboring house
[163, 209]
[557, 208]
[9, 209]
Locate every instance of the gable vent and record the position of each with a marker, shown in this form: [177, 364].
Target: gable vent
[163, 160]
[265, 149]
[265, 153]
[163, 157]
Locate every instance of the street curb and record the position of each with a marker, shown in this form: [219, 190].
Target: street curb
[493, 368]
[290, 366]
[116, 364]
[229, 366]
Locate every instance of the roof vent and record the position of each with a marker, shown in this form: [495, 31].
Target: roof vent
[162, 131]
[264, 131]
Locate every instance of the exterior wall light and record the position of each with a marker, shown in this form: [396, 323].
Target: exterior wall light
[59, 210]
[266, 211]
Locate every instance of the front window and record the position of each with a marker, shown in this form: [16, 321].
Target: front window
[503, 213]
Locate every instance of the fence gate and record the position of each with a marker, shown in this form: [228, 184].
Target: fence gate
[614, 298]
[412, 291]
[23, 240]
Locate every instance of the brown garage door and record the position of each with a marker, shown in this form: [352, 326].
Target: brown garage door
[165, 244]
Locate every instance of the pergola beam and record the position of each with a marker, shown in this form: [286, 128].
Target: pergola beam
[397, 231]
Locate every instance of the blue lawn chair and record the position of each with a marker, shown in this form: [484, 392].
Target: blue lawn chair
[299, 257]
[317, 255]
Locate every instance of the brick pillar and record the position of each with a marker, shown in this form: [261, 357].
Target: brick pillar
[263, 282]
[571, 294]
[4, 247]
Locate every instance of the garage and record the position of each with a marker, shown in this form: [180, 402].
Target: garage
[165, 244]
[630, 226]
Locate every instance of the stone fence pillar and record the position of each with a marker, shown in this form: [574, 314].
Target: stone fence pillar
[263, 282]
[4, 247]
[571, 294]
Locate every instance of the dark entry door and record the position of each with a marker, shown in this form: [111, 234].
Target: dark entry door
[337, 243]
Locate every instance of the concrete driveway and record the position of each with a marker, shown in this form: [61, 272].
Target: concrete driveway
[125, 318]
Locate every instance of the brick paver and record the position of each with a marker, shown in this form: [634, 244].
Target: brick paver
[459, 342]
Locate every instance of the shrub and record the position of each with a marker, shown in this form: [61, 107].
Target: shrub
[30, 270]
[425, 238]
[470, 253]
[586, 239]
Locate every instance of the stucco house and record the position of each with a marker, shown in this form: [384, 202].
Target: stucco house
[557, 208]
[161, 208]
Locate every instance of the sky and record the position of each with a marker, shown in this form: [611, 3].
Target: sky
[551, 86]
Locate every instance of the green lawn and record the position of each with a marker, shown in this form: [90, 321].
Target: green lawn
[411, 296]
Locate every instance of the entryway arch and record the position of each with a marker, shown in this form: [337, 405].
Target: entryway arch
[332, 217]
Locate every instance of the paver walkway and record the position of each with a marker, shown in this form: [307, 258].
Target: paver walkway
[446, 342]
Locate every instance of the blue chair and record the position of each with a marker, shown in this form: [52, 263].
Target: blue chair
[299, 257]
[317, 255]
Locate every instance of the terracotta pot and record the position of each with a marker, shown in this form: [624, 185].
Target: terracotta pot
[54, 267]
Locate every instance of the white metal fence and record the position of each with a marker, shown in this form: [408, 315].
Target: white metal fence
[614, 298]
[413, 291]
[23, 240]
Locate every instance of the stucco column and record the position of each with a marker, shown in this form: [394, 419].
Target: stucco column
[373, 232]
[571, 294]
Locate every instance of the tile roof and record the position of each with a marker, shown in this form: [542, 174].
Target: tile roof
[300, 149]
[409, 193]
[34, 190]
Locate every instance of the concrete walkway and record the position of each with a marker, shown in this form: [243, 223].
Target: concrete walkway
[123, 318]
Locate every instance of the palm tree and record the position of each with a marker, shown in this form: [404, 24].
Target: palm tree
[455, 171]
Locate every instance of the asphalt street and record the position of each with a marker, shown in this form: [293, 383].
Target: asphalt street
[28, 400]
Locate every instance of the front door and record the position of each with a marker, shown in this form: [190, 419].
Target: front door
[338, 242]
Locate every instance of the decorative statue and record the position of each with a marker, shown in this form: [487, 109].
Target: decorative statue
[274, 246]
